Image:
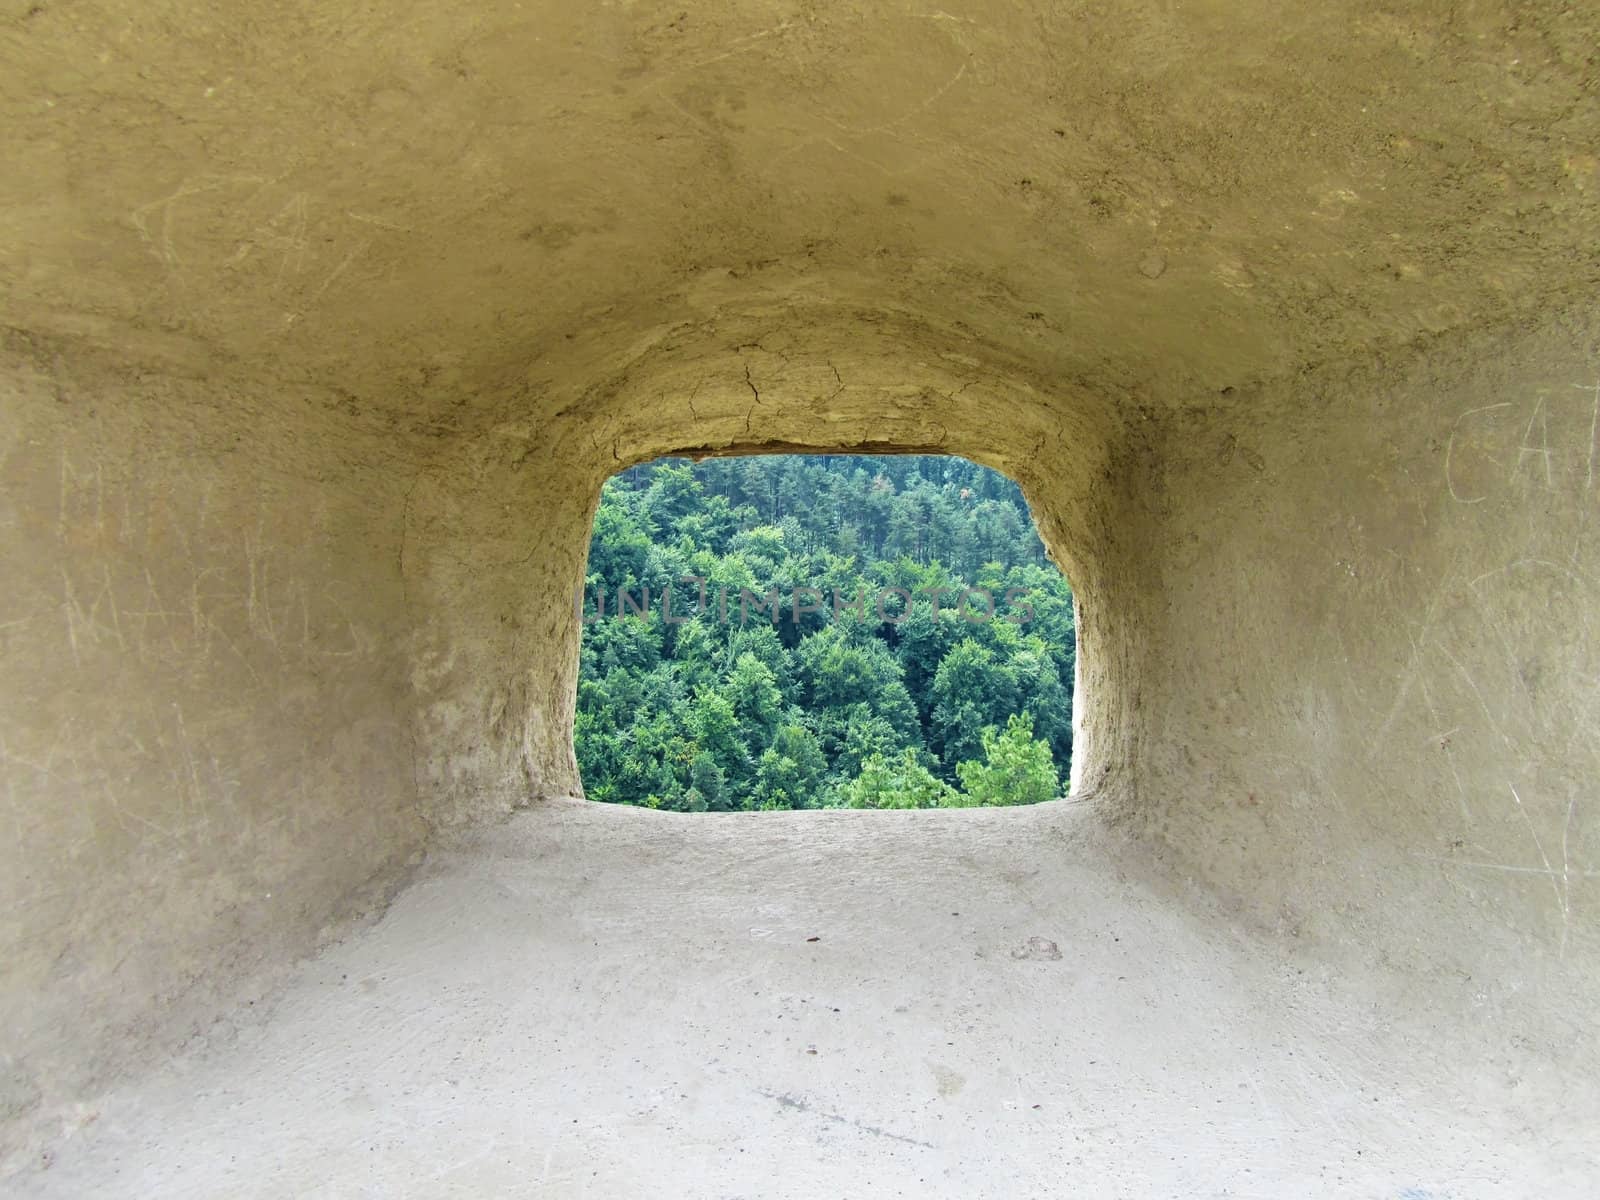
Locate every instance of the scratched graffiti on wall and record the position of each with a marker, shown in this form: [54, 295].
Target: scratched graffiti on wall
[1509, 720]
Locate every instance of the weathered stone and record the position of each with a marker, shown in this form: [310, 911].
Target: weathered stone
[326, 327]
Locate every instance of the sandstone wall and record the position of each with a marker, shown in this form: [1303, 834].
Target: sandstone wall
[204, 724]
[1372, 673]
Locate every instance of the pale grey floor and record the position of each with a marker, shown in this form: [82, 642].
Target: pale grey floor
[594, 1002]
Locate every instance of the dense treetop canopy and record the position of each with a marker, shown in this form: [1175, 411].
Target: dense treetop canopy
[810, 631]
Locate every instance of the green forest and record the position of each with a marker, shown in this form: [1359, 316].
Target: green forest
[821, 631]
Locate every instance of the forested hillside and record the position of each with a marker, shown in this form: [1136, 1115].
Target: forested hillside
[798, 661]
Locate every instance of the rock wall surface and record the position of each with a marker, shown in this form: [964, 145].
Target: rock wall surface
[324, 325]
[205, 726]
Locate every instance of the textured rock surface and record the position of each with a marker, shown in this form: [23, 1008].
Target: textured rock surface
[204, 725]
[325, 325]
[530, 1020]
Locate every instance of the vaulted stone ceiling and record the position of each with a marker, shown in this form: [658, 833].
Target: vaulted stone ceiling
[434, 207]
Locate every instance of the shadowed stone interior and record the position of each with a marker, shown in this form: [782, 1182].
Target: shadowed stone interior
[324, 324]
